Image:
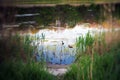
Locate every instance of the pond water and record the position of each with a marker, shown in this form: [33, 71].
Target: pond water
[58, 46]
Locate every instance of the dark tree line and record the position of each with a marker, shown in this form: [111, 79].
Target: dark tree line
[65, 13]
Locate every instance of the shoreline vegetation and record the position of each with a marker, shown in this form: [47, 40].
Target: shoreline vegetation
[97, 58]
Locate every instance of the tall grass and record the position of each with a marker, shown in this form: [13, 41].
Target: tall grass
[21, 71]
[84, 44]
[105, 67]
[15, 48]
[94, 60]
[96, 66]
[17, 62]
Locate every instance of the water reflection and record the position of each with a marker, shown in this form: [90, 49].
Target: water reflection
[56, 54]
[58, 46]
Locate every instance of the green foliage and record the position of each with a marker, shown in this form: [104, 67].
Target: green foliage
[95, 67]
[16, 48]
[89, 39]
[105, 67]
[16, 63]
[46, 15]
[80, 44]
[83, 42]
[67, 14]
[87, 67]
[21, 71]
[79, 70]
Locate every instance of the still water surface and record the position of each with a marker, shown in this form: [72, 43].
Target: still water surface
[58, 46]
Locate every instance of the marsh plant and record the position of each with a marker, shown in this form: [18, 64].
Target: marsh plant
[99, 65]
[17, 51]
[84, 42]
[20, 47]
[16, 48]
[104, 66]
[17, 62]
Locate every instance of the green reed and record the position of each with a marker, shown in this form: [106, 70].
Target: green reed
[91, 65]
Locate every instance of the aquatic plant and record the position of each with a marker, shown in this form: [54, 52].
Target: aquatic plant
[83, 43]
[98, 65]
[104, 66]
[16, 63]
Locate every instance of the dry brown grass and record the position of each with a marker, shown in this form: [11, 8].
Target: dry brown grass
[106, 42]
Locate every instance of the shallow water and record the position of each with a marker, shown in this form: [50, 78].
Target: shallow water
[58, 46]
